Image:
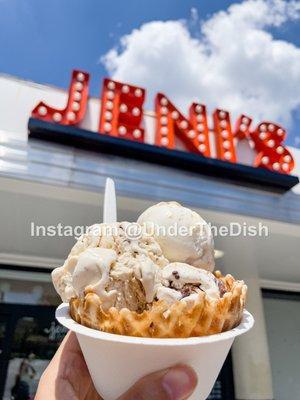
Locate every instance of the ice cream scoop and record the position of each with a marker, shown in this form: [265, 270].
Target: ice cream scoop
[181, 233]
[181, 281]
[88, 270]
[92, 272]
[123, 270]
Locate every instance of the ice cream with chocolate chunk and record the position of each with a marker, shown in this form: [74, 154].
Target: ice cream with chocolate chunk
[184, 282]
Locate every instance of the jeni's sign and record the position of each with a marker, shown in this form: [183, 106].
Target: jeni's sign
[121, 115]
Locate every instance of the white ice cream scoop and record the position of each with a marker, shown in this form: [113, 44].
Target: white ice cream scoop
[92, 272]
[182, 281]
[182, 234]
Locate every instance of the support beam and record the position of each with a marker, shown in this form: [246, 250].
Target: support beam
[251, 362]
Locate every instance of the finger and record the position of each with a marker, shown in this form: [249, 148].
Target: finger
[72, 368]
[69, 343]
[66, 377]
[176, 383]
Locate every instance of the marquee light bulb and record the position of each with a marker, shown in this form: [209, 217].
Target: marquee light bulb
[163, 120]
[57, 117]
[265, 160]
[108, 115]
[243, 128]
[175, 115]
[262, 135]
[163, 110]
[78, 86]
[201, 137]
[136, 111]
[287, 158]
[223, 124]
[285, 167]
[110, 95]
[80, 77]
[138, 92]
[183, 124]
[271, 143]
[279, 150]
[137, 133]
[198, 108]
[227, 155]
[164, 130]
[200, 118]
[280, 132]
[276, 166]
[163, 101]
[200, 127]
[125, 89]
[271, 128]
[122, 130]
[109, 105]
[224, 134]
[42, 110]
[191, 134]
[164, 141]
[226, 144]
[77, 96]
[245, 120]
[123, 108]
[202, 147]
[71, 116]
[75, 106]
[107, 126]
[111, 85]
[263, 128]
[222, 114]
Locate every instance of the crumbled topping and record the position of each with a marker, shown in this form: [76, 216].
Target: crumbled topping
[222, 287]
[189, 289]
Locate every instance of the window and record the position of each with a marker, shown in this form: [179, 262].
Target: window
[283, 330]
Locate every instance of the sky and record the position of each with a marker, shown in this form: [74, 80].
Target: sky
[243, 56]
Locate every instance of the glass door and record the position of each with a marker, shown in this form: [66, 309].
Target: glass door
[224, 386]
[29, 337]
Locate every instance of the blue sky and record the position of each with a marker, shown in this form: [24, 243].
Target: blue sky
[44, 41]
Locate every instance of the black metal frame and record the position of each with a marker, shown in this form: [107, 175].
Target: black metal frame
[221, 170]
[226, 376]
[280, 294]
[24, 268]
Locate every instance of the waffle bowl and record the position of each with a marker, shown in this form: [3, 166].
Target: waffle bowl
[206, 317]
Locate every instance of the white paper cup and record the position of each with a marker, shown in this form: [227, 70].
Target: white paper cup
[116, 362]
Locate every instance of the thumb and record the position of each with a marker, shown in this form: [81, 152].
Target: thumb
[176, 383]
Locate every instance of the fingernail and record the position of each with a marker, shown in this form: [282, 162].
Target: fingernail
[179, 382]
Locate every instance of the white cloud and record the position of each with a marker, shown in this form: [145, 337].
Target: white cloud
[233, 62]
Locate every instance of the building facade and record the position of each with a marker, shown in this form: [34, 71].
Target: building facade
[49, 184]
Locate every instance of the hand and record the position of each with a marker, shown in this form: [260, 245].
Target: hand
[67, 378]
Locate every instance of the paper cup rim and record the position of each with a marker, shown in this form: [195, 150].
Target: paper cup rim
[63, 317]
